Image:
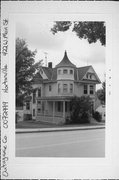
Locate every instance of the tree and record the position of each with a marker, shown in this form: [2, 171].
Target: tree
[101, 93]
[80, 109]
[25, 70]
[92, 31]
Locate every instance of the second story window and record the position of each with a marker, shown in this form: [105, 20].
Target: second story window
[34, 97]
[85, 89]
[59, 88]
[39, 92]
[71, 88]
[50, 88]
[65, 88]
[27, 105]
[91, 89]
[65, 71]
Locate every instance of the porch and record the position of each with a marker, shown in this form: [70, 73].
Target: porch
[53, 110]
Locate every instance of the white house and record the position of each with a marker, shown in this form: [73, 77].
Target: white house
[53, 88]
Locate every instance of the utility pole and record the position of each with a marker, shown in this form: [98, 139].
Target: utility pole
[46, 58]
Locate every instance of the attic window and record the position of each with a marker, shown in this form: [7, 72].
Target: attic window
[90, 76]
[65, 71]
[71, 71]
[59, 71]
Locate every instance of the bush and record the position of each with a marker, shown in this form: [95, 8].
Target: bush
[80, 109]
[97, 116]
[27, 117]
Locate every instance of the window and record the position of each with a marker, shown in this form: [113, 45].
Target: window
[71, 71]
[50, 88]
[59, 106]
[34, 96]
[33, 112]
[39, 92]
[59, 88]
[27, 105]
[39, 110]
[66, 106]
[91, 89]
[59, 71]
[90, 76]
[39, 102]
[87, 76]
[85, 89]
[64, 88]
[71, 88]
[65, 71]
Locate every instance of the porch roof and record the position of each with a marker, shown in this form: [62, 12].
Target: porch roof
[55, 98]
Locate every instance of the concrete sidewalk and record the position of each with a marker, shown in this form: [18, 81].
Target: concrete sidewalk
[31, 130]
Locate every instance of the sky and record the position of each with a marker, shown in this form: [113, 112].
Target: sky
[38, 35]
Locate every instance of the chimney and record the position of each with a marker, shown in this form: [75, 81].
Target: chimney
[50, 64]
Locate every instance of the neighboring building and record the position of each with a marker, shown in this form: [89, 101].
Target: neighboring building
[53, 88]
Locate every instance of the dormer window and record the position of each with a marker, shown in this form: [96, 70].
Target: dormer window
[65, 71]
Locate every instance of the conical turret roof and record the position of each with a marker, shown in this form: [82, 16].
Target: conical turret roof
[65, 62]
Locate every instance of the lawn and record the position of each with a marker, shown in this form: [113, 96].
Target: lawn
[36, 124]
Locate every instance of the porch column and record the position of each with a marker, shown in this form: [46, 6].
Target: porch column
[46, 108]
[63, 109]
[53, 109]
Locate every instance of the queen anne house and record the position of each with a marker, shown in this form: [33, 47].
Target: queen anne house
[54, 87]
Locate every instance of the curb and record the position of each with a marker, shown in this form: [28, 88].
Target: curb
[57, 129]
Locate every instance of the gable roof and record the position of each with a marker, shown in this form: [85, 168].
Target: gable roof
[82, 71]
[65, 62]
[48, 72]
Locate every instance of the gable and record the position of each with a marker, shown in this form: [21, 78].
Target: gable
[91, 75]
[42, 73]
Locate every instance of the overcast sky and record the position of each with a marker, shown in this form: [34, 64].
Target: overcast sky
[37, 34]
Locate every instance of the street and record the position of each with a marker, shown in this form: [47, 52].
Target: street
[80, 143]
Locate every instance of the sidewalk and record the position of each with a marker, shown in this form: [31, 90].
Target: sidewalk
[36, 130]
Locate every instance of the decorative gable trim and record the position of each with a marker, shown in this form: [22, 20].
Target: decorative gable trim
[92, 73]
[42, 73]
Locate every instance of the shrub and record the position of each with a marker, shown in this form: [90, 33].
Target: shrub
[80, 109]
[97, 116]
[27, 117]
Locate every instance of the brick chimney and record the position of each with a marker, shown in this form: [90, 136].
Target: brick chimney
[50, 64]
